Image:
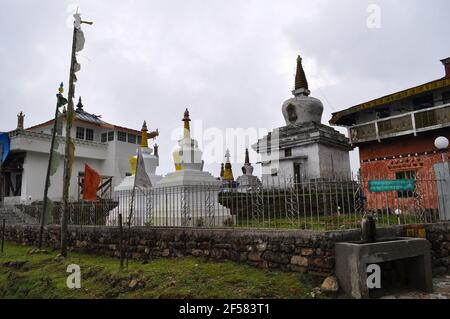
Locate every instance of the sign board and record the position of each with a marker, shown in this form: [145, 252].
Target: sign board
[4, 146]
[378, 186]
[417, 231]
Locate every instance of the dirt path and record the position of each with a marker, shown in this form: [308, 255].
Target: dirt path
[441, 290]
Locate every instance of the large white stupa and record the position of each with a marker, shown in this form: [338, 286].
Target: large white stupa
[304, 149]
[189, 196]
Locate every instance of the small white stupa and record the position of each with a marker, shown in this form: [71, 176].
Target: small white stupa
[151, 161]
[247, 181]
[191, 195]
[142, 197]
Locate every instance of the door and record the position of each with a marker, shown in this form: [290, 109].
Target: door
[297, 172]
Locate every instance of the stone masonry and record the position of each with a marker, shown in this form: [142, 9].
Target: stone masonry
[298, 251]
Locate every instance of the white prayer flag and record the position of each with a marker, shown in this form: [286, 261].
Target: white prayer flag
[79, 40]
[76, 66]
[77, 20]
[141, 177]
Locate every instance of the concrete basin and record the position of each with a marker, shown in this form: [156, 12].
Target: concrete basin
[409, 257]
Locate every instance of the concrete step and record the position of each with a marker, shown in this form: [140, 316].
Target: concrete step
[15, 216]
[10, 216]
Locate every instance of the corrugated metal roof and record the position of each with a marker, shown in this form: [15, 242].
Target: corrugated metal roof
[88, 117]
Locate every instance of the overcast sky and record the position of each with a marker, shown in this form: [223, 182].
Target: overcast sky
[231, 62]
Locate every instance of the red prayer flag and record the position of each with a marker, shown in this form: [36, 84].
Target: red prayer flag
[91, 183]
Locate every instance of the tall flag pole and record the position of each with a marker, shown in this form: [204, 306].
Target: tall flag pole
[53, 162]
[77, 45]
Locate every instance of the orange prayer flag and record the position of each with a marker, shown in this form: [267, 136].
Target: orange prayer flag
[91, 183]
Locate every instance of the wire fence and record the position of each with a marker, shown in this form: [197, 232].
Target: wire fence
[279, 203]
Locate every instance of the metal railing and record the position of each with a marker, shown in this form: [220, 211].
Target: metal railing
[279, 203]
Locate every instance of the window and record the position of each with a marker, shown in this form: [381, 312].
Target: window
[446, 97]
[110, 136]
[288, 152]
[139, 140]
[132, 138]
[80, 133]
[406, 175]
[104, 137]
[89, 134]
[121, 136]
[274, 172]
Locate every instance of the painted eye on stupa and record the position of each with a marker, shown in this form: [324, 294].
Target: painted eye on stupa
[291, 113]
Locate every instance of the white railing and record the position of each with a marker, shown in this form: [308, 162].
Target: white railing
[403, 124]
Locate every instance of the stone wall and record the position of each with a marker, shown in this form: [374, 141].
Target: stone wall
[298, 251]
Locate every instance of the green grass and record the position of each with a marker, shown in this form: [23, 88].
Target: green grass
[321, 223]
[44, 277]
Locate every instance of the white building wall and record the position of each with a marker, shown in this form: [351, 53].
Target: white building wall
[316, 161]
[307, 156]
[35, 170]
[110, 159]
[334, 163]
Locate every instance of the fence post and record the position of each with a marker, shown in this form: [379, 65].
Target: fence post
[3, 235]
[121, 241]
[443, 189]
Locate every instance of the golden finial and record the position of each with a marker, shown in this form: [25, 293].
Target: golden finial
[144, 138]
[186, 120]
[228, 172]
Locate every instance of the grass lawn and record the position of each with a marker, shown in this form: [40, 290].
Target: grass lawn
[321, 223]
[43, 276]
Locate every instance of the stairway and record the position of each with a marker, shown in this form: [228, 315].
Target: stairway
[11, 216]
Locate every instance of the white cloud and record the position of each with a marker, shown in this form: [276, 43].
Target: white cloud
[232, 63]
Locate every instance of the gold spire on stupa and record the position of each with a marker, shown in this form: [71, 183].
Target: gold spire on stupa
[177, 154]
[144, 139]
[144, 144]
[187, 128]
[228, 172]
